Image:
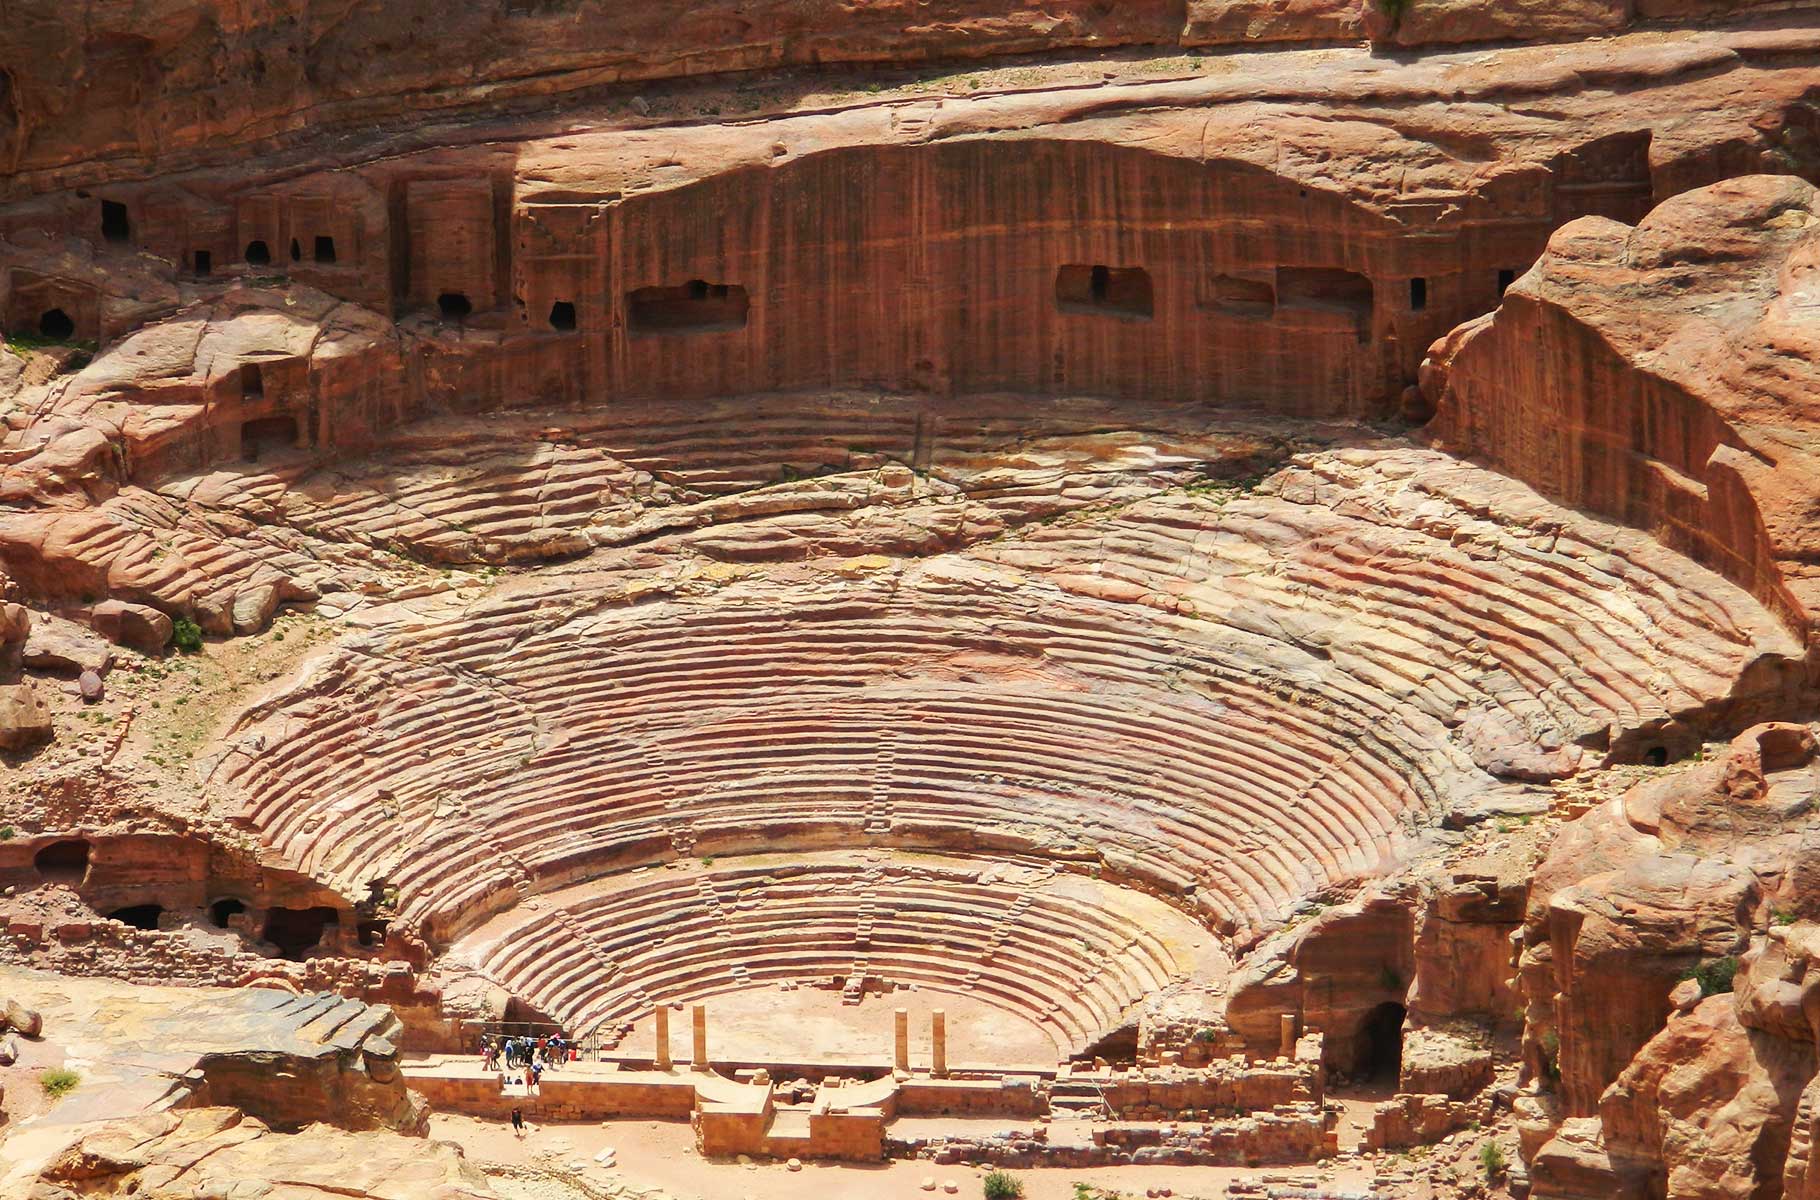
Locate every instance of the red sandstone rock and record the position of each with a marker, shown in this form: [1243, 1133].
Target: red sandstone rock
[1707, 1104]
[24, 720]
[144, 629]
[1687, 337]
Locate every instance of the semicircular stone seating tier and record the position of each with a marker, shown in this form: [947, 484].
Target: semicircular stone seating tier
[1060, 950]
[1237, 700]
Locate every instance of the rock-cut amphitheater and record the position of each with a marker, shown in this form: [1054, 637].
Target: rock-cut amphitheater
[1084, 600]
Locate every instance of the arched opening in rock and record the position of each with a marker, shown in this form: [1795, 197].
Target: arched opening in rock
[56, 324]
[139, 916]
[202, 262]
[1099, 290]
[325, 249]
[696, 307]
[115, 225]
[453, 305]
[1656, 756]
[258, 254]
[372, 933]
[267, 435]
[252, 380]
[64, 862]
[223, 909]
[1379, 1054]
[296, 250]
[562, 316]
[296, 931]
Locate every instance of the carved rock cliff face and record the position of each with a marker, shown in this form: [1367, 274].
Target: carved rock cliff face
[1661, 374]
[1687, 876]
[99, 86]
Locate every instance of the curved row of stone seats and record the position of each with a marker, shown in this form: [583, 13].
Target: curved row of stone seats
[1380, 560]
[544, 754]
[1279, 732]
[604, 960]
[534, 483]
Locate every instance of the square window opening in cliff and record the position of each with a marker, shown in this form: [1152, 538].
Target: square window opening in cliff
[562, 316]
[325, 249]
[696, 307]
[252, 381]
[267, 435]
[1331, 292]
[202, 263]
[1237, 296]
[116, 226]
[1124, 293]
[453, 306]
[56, 325]
[258, 254]
[1418, 294]
[1506, 277]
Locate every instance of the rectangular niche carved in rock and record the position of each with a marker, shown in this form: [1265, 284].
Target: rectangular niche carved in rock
[1329, 290]
[1238, 296]
[695, 307]
[1122, 292]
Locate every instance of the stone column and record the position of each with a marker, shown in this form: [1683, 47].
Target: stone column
[1288, 1027]
[900, 1057]
[700, 1015]
[662, 1014]
[938, 1042]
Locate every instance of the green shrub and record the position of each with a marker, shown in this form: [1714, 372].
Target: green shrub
[1781, 917]
[1551, 1055]
[186, 635]
[1491, 1157]
[1205, 1036]
[1394, 9]
[1000, 1186]
[58, 1082]
[6, 833]
[1715, 975]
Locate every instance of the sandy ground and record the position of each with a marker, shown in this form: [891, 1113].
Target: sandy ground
[770, 1024]
[662, 1154]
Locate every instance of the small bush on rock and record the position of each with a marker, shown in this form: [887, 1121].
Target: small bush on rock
[58, 1082]
[186, 635]
[1491, 1157]
[1715, 975]
[1000, 1186]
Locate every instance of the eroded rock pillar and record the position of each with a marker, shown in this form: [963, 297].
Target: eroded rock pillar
[699, 1015]
[900, 1057]
[938, 1042]
[663, 1037]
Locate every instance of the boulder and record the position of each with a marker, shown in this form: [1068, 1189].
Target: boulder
[55, 644]
[24, 720]
[137, 626]
[25, 1021]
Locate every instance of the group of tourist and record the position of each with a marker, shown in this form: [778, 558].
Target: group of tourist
[533, 1056]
